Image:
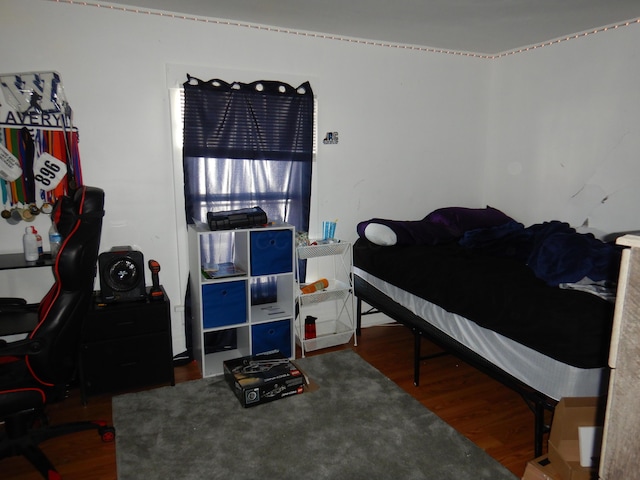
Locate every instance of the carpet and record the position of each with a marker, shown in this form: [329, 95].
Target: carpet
[357, 424]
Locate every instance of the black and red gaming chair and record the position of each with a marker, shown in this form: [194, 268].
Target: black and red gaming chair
[37, 370]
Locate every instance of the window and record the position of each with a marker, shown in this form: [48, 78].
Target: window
[247, 145]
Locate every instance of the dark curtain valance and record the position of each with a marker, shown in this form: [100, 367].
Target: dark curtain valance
[274, 118]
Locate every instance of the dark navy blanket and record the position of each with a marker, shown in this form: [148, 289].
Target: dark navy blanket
[553, 250]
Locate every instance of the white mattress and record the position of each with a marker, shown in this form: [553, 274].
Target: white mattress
[545, 374]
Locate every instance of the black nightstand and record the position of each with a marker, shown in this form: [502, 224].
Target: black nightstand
[126, 345]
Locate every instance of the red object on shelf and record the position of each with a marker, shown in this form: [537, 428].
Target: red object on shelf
[309, 327]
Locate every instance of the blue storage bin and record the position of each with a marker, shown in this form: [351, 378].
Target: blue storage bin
[224, 304]
[271, 252]
[272, 336]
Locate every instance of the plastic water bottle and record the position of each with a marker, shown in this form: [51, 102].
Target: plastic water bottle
[30, 244]
[55, 239]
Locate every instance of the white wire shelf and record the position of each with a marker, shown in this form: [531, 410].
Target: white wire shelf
[322, 250]
[338, 334]
[336, 291]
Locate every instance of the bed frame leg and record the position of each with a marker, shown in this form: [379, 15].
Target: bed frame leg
[416, 356]
[539, 428]
[539, 405]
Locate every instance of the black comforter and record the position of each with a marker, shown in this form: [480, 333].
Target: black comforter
[500, 293]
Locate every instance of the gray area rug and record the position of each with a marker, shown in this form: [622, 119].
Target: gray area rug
[357, 425]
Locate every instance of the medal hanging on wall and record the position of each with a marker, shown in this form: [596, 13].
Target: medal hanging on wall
[39, 154]
[36, 171]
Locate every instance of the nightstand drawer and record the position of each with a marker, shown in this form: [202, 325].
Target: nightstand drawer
[126, 363]
[126, 319]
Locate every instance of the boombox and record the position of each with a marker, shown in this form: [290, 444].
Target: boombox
[241, 218]
[121, 273]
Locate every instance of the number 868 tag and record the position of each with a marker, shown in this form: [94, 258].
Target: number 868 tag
[48, 171]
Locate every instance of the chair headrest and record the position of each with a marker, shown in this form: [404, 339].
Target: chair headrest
[87, 202]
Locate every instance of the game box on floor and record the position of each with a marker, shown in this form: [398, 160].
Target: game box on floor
[262, 378]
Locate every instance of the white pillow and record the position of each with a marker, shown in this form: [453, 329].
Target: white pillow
[380, 234]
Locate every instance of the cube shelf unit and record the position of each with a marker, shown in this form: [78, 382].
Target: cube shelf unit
[333, 307]
[242, 293]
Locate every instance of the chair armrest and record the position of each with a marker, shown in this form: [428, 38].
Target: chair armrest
[16, 305]
[12, 301]
[19, 348]
[15, 320]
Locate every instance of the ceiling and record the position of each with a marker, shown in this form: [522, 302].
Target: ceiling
[476, 26]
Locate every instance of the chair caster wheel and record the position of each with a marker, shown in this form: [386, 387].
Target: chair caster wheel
[107, 434]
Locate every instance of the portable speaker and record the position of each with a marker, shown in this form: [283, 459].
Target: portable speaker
[121, 275]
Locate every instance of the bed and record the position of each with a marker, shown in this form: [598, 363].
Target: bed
[530, 306]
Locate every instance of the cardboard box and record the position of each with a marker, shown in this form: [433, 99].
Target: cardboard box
[262, 378]
[564, 446]
[541, 469]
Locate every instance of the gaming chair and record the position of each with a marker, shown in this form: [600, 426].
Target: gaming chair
[37, 370]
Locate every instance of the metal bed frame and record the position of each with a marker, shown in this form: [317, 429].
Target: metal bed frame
[538, 402]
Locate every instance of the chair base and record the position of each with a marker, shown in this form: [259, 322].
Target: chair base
[19, 439]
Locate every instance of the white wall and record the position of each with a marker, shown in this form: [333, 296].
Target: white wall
[547, 134]
[411, 124]
[564, 141]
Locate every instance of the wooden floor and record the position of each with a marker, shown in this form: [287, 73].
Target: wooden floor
[489, 414]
